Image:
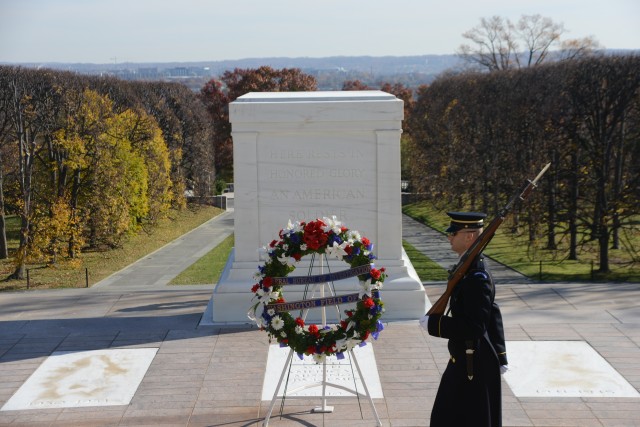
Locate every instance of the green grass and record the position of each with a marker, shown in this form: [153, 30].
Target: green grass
[532, 260]
[427, 270]
[206, 270]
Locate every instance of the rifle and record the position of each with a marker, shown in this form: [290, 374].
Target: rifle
[481, 242]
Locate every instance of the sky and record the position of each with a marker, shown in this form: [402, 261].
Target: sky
[118, 31]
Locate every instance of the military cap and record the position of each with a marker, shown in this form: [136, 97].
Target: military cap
[462, 220]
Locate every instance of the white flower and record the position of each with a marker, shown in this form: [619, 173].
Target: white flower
[303, 247]
[293, 227]
[271, 312]
[285, 260]
[365, 289]
[299, 329]
[265, 296]
[319, 358]
[336, 251]
[347, 344]
[277, 323]
[353, 236]
[332, 224]
[283, 334]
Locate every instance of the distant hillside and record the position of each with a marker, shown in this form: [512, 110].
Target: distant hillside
[330, 72]
[377, 65]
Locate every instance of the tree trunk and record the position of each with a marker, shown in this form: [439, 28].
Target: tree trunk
[573, 207]
[4, 250]
[552, 204]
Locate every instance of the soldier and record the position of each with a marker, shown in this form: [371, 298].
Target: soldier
[469, 392]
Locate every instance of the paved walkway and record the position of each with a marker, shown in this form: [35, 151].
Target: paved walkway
[212, 376]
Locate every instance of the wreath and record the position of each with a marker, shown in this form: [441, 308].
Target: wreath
[327, 237]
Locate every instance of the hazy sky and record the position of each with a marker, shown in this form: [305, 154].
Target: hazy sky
[108, 31]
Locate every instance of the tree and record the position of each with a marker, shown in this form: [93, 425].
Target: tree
[35, 102]
[6, 75]
[605, 95]
[498, 44]
[217, 94]
[355, 85]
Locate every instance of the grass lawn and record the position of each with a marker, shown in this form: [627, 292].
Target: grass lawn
[533, 260]
[427, 270]
[207, 269]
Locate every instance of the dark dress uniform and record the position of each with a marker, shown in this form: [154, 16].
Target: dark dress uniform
[475, 324]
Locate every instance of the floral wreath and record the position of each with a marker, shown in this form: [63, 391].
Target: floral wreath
[325, 237]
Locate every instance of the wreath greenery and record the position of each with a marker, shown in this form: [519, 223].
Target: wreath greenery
[327, 237]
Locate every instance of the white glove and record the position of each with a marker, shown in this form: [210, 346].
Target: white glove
[424, 322]
[503, 369]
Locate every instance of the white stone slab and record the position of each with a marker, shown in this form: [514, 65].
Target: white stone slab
[305, 372]
[562, 369]
[84, 378]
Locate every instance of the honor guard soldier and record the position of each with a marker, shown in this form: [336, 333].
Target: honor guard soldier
[470, 391]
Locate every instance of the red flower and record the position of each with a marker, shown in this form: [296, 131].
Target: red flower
[349, 313]
[280, 300]
[343, 324]
[313, 330]
[311, 350]
[314, 236]
[267, 282]
[297, 257]
[368, 302]
[365, 335]
[273, 243]
[375, 273]
[255, 288]
[348, 250]
[383, 269]
[299, 321]
[366, 241]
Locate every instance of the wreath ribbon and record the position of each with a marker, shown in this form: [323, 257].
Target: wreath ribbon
[321, 278]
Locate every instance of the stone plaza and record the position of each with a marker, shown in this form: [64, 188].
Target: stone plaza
[214, 376]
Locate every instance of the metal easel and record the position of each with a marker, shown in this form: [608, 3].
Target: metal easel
[286, 370]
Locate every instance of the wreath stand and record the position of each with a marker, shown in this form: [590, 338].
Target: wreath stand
[324, 383]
